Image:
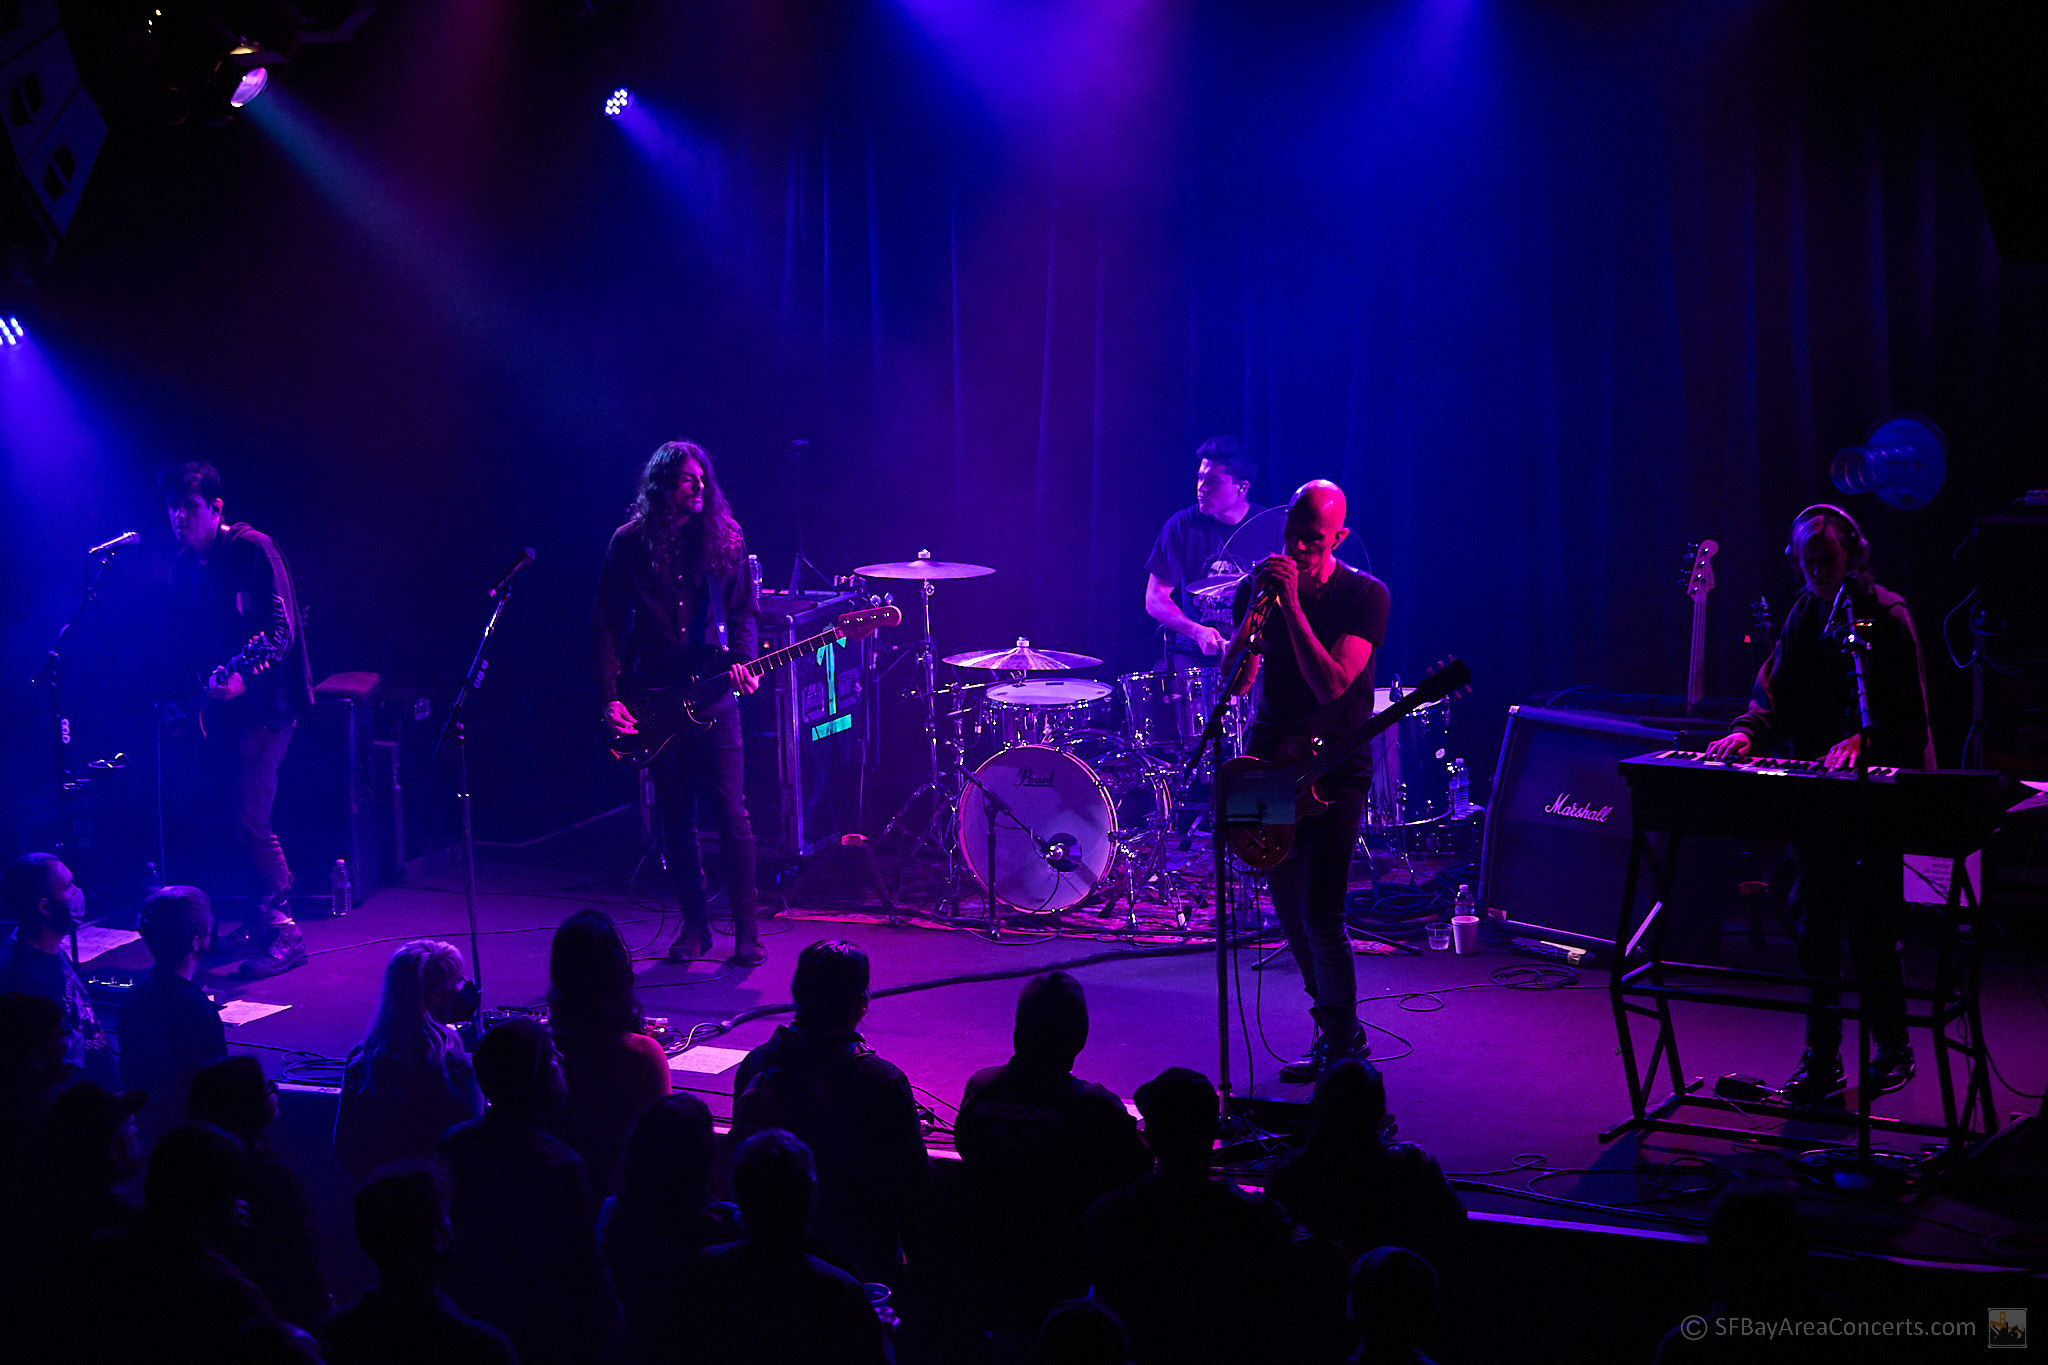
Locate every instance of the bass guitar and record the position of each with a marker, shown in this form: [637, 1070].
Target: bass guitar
[1303, 762]
[692, 705]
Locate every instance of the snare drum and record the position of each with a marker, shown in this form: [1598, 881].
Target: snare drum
[1044, 710]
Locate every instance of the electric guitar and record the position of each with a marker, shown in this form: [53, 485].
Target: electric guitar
[692, 705]
[186, 716]
[1699, 581]
[1304, 763]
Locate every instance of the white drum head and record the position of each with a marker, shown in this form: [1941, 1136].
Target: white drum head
[1049, 692]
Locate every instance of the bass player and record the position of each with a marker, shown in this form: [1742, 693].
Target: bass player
[675, 601]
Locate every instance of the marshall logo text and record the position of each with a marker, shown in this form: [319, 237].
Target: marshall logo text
[1578, 810]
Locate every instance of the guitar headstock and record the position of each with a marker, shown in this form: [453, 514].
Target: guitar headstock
[1448, 678]
[858, 625]
[1699, 578]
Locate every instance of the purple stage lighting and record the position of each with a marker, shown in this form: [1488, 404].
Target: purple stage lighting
[11, 331]
[250, 86]
[616, 102]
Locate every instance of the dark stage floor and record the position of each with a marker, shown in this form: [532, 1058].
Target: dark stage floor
[1491, 1077]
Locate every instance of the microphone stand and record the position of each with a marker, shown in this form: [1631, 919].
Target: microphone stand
[994, 806]
[472, 679]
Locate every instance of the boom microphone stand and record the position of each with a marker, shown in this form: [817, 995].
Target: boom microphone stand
[472, 679]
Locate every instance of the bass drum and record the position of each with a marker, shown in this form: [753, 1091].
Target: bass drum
[1411, 765]
[1054, 832]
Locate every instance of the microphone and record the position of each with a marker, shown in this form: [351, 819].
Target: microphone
[1061, 852]
[107, 547]
[525, 558]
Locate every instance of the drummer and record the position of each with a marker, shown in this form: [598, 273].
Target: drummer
[1190, 549]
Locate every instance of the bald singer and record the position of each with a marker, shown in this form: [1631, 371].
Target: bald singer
[1313, 661]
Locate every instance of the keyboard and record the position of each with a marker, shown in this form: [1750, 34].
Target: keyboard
[1901, 810]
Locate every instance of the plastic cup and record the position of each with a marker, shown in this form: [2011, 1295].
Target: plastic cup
[1440, 937]
[1465, 933]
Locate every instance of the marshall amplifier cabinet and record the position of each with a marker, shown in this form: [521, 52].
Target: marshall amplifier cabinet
[1555, 849]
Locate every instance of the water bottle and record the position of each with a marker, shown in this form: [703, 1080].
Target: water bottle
[1461, 790]
[754, 575]
[339, 898]
[1464, 904]
[151, 878]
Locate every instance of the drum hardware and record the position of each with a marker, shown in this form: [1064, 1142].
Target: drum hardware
[928, 573]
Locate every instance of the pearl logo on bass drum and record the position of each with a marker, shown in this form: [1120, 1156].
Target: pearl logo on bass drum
[1578, 810]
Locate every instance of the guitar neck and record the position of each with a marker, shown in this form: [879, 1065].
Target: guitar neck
[1332, 754]
[1696, 661]
[767, 663]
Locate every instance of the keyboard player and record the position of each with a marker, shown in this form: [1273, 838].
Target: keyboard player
[1805, 702]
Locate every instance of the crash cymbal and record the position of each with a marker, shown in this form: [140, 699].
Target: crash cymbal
[925, 567]
[1023, 656]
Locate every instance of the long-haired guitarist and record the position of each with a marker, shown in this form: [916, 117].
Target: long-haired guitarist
[675, 603]
[238, 648]
[1805, 701]
[1313, 624]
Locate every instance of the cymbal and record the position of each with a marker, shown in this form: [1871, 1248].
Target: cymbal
[1023, 656]
[1218, 585]
[924, 566]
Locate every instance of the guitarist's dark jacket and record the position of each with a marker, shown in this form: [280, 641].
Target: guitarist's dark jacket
[660, 628]
[237, 598]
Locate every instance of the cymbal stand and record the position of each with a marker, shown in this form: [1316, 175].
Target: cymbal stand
[945, 797]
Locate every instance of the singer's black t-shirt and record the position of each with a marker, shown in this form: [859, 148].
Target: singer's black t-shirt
[1351, 603]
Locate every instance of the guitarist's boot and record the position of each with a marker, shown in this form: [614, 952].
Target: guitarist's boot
[693, 940]
[1326, 1054]
[746, 937]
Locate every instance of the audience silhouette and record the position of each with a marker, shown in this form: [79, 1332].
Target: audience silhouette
[816, 1078]
[1037, 1147]
[662, 1216]
[525, 1246]
[180, 1296]
[1393, 1306]
[409, 1081]
[277, 1249]
[764, 1300]
[402, 1224]
[1354, 1184]
[1193, 1265]
[167, 1027]
[613, 1069]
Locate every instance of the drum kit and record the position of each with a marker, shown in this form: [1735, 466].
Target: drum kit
[1077, 800]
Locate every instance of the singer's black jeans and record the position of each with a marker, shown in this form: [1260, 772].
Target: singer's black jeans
[1308, 889]
[708, 769]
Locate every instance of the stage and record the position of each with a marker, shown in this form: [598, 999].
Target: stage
[1506, 1083]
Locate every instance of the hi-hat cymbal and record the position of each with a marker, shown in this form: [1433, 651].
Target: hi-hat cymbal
[1023, 656]
[924, 566]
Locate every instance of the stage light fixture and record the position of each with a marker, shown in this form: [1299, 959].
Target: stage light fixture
[616, 102]
[11, 331]
[250, 86]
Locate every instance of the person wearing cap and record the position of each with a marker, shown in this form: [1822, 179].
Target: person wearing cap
[168, 1028]
[1195, 1266]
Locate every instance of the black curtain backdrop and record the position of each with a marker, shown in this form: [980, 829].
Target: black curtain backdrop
[1551, 289]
